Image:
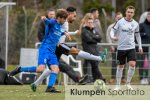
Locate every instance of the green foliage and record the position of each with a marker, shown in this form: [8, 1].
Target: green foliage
[88, 4]
[123, 4]
[133, 3]
[129, 2]
[20, 26]
[17, 30]
[46, 4]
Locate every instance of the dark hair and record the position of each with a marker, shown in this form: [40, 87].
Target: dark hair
[148, 13]
[130, 7]
[71, 9]
[148, 9]
[49, 10]
[118, 13]
[62, 13]
[92, 10]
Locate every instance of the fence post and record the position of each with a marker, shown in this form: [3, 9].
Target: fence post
[148, 64]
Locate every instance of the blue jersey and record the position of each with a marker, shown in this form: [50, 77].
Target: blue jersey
[53, 32]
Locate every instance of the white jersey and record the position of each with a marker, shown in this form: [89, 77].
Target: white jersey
[126, 33]
[65, 28]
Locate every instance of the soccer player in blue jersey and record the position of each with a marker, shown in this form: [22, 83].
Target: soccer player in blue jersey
[61, 49]
[53, 32]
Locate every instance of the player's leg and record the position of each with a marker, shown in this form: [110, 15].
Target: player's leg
[53, 62]
[66, 68]
[20, 69]
[42, 61]
[121, 58]
[83, 54]
[40, 79]
[40, 69]
[119, 72]
[52, 79]
[53, 75]
[63, 66]
[86, 55]
[132, 62]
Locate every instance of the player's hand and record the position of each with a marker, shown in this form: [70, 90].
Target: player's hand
[112, 49]
[43, 17]
[58, 44]
[77, 31]
[141, 51]
[68, 36]
[115, 38]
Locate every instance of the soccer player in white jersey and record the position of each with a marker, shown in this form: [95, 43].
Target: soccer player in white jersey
[127, 29]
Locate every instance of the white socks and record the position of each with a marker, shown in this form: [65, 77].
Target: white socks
[45, 74]
[119, 75]
[89, 56]
[131, 71]
[130, 74]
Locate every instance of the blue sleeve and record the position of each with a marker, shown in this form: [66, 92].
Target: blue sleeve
[63, 33]
[49, 22]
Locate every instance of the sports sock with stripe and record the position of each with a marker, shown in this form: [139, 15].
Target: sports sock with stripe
[130, 74]
[118, 75]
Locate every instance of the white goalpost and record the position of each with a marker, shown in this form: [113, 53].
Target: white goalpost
[6, 6]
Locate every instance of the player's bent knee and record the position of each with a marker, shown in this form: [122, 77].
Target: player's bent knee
[74, 51]
[132, 63]
[55, 69]
[121, 66]
[40, 69]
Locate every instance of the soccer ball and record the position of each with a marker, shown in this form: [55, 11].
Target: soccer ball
[99, 84]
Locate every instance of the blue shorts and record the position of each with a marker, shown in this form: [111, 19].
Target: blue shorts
[47, 57]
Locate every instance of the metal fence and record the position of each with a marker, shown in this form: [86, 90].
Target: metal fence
[106, 68]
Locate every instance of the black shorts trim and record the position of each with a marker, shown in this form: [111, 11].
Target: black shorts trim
[123, 55]
[62, 49]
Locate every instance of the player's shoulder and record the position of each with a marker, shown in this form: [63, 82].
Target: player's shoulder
[65, 23]
[120, 21]
[111, 25]
[135, 22]
[53, 20]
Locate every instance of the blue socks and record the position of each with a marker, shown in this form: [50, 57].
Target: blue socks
[52, 79]
[28, 69]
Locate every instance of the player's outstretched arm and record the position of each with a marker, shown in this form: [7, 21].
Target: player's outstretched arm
[73, 33]
[68, 36]
[43, 17]
[47, 21]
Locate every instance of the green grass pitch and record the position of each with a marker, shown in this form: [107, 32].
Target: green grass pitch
[23, 92]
